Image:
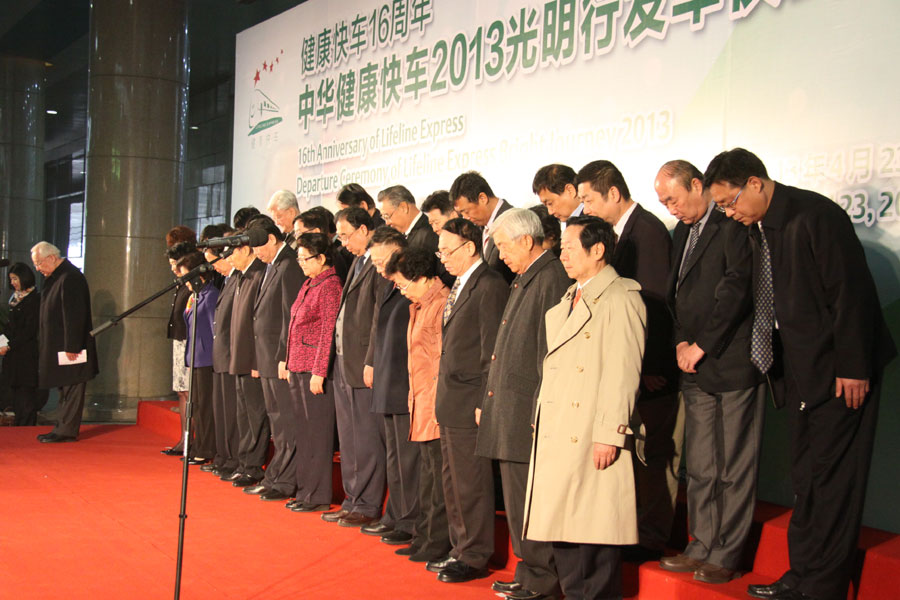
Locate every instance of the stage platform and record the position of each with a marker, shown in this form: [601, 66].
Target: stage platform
[99, 519]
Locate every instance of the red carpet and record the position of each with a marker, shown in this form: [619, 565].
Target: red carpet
[99, 519]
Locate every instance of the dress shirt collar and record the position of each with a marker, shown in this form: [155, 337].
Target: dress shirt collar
[619, 227]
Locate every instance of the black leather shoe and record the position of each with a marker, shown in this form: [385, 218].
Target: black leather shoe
[406, 550]
[396, 538]
[52, 438]
[234, 476]
[196, 460]
[208, 468]
[335, 515]
[376, 528]
[773, 590]
[436, 566]
[506, 587]
[256, 490]
[459, 572]
[304, 507]
[273, 495]
[171, 452]
[523, 594]
[292, 503]
[245, 481]
[422, 557]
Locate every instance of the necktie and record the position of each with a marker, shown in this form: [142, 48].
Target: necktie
[358, 267]
[764, 314]
[692, 243]
[266, 276]
[451, 299]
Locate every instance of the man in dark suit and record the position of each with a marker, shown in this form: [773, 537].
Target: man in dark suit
[63, 334]
[271, 316]
[474, 200]
[439, 209]
[505, 427]
[556, 188]
[354, 195]
[224, 384]
[471, 319]
[362, 452]
[709, 292]
[283, 209]
[252, 422]
[820, 337]
[642, 253]
[390, 395]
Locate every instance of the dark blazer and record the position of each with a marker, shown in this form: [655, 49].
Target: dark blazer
[20, 365]
[65, 326]
[222, 323]
[205, 314]
[467, 343]
[713, 302]
[390, 389]
[359, 299]
[377, 219]
[492, 254]
[176, 329]
[422, 235]
[643, 252]
[272, 311]
[243, 350]
[826, 305]
[516, 363]
[341, 258]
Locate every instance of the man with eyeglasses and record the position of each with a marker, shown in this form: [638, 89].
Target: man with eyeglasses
[359, 429]
[820, 338]
[709, 292]
[471, 319]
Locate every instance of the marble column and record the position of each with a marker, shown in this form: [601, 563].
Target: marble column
[137, 105]
[21, 158]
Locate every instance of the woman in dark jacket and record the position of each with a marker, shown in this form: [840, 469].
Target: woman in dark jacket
[20, 357]
[309, 342]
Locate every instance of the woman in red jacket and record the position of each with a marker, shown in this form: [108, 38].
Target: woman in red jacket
[309, 343]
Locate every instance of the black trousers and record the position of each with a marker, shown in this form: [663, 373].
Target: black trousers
[26, 402]
[253, 426]
[225, 417]
[469, 495]
[71, 405]
[204, 445]
[314, 432]
[831, 448]
[536, 569]
[281, 472]
[432, 531]
[589, 571]
[402, 466]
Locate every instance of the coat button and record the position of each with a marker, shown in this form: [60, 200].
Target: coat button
[580, 369]
[587, 334]
[575, 404]
[574, 440]
[493, 357]
[503, 322]
[490, 394]
[516, 285]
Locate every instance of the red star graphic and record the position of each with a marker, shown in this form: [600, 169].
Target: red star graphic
[282, 51]
[256, 79]
[264, 65]
[276, 59]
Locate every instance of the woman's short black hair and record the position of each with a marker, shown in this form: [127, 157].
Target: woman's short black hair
[24, 273]
[317, 244]
[181, 249]
[413, 263]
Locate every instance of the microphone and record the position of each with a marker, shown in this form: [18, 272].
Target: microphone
[4, 262]
[196, 271]
[252, 237]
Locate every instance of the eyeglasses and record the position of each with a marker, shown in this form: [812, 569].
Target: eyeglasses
[345, 237]
[440, 254]
[302, 259]
[403, 288]
[723, 207]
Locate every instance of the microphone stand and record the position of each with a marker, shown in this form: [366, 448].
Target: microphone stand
[186, 433]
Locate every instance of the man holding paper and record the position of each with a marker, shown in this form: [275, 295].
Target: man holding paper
[68, 356]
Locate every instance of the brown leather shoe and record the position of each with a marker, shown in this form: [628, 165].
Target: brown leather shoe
[335, 515]
[708, 573]
[355, 519]
[679, 563]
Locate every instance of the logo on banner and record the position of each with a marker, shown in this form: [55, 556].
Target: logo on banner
[263, 113]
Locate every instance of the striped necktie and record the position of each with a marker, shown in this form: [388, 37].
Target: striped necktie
[451, 300]
[761, 354]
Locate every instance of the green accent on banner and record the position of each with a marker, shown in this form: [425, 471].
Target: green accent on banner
[265, 125]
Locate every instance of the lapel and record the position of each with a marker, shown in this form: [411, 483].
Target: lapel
[708, 233]
[355, 282]
[466, 292]
[569, 324]
[543, 260]
[273, 274]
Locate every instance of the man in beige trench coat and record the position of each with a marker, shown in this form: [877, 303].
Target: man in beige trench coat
[580, 493]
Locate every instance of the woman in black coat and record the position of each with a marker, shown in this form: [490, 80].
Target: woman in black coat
[20, 357]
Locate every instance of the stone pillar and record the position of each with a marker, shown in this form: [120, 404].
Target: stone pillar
[137, 105]
[21, 158]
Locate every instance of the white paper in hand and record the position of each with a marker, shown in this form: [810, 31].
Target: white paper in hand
[4, 341]
[65, 360]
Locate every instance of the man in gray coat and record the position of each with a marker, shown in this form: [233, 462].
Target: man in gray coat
[68, 356]
[505, 424]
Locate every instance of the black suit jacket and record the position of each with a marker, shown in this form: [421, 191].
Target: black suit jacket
[713, 303]
[222, 324]
[272, 311]
[359, 300]
[20, 365]
[517, 361]
[643, 254]
[390, 389]
[243, 349]
[826, 305]
[466, 347]
[341, 258]
[492, 254]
